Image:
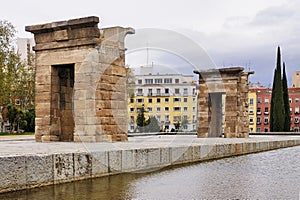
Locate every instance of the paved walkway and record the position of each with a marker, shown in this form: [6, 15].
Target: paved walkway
[25, 145]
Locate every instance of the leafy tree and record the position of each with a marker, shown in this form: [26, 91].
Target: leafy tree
[141, 120]
[16, 77]
[177, 125]
[287, 116]
[152, 125]
[277, 112]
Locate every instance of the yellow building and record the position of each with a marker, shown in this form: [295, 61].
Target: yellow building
[252, 110]
[171, 98]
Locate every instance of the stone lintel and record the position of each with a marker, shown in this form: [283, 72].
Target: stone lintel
[91, 21]
[66, 34]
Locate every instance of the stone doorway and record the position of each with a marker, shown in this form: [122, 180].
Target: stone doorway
[213, 84]
[62, 87]
[215, 114]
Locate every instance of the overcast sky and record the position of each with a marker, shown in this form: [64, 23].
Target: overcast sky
[230, 32]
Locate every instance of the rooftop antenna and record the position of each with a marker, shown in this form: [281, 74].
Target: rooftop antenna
[147, 54]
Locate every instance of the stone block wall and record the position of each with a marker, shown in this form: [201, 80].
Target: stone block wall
[80, 76]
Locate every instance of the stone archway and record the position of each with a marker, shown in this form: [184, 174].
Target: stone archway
[230, 85]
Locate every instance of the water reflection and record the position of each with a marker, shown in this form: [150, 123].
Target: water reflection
[268, 175]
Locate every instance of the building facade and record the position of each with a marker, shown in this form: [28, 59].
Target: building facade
[171, 98]
[259, 111]
[252, 110]
[296, 79]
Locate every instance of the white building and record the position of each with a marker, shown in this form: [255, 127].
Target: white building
[171, 98]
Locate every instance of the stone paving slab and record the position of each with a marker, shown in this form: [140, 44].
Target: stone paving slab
[14, 146]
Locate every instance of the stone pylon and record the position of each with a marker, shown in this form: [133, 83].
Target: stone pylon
[80, 81]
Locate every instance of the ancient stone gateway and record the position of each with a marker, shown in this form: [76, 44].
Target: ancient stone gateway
[223, 93]
[80, 81]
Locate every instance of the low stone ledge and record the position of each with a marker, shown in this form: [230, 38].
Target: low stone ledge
[23, 172]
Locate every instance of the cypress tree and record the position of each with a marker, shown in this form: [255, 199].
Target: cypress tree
[277, 103]
[287, 116]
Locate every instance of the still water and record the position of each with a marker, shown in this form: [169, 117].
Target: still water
[268, 175]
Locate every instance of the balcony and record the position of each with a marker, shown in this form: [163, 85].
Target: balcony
[139, 94]
[296, 121]
[266, 113]
[258, 112]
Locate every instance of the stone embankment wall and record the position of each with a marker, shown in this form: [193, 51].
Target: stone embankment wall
[35, 170]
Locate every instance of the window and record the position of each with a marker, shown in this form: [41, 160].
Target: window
[158, 81]
[185, 109]
[251, 130]
[131, 109]
[194, 109]
[167, 118]
[176, 118]
[185, 100]
[297, 100]
[177, 91]
[132, 119]
[251, 111]
[158, 109]
[167, 109]
[150, 92]
[140, 81]
[258, 100]
[131, 100]
[149, 81]
[266, 110]
[158, 118]
[258, 120]
[266, 129]
[185, 117]
[194, 91]
[266, 120]
[185, 127]
[296, 129]
[251, 101]
[149, 100]
[290, 99]
[158, 91]
[194, 99]
[266, 100]
[176, 100]
[291, 110]
[158, 100]
[297, 110]
[296, 120]
[167, 90]
[258, 129]
[176, 80]
[251, 121]
[194, 118]
[139, 92]
[167, 80]
[140, 100]
[167, 100]
[149, 109]
[177, 109]
[258, 111]
[185, 91]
